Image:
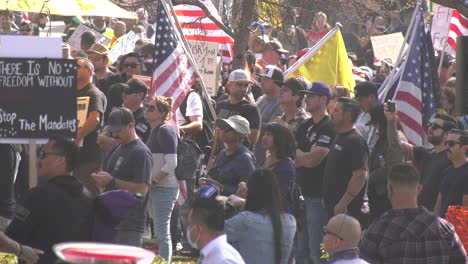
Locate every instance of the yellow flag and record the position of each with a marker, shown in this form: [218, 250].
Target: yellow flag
[329, 65]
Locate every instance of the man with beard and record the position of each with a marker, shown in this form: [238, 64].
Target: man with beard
[454, 187]
[236, 104]
[431, 161]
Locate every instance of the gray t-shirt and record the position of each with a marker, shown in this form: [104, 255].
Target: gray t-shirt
[131, 162]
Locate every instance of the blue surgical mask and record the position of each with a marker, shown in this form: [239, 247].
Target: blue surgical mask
[192, 243]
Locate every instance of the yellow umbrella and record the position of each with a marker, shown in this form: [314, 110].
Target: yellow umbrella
[104, 8]
[53, 7]
[68, 7]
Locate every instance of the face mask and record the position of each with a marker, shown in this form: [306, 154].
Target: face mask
[192, 243]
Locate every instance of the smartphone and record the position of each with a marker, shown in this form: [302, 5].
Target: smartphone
[390, 106]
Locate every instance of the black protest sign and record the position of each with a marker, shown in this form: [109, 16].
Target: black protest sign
[37, 98]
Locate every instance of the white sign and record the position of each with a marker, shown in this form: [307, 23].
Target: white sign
[124, 45]
[30, 47]
[440, 27]
[206, 57]
[82, 110]
[387, 46]
[75, 39]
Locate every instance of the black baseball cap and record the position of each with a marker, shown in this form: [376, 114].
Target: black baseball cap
[119, 118]
[135, 85]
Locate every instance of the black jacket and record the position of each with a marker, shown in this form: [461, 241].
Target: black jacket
[54, 212]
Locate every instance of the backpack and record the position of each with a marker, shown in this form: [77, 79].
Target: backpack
[188, 158]
[205, 137]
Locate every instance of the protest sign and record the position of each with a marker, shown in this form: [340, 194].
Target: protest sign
[206, 57]
[387, 46]
[82, 110]
[12, 46]
[440, 27]
[75, 39]
[38, 98]
[124, 45]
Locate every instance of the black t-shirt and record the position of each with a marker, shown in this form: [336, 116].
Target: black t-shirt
[349, 153]
[431, 166]
[142, 126]
[308, 134]
[454, 186]
[54, 212]
[90, 151]
[224, 109]
[8, 167]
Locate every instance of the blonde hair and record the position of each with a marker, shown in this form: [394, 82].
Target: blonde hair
[164, 105]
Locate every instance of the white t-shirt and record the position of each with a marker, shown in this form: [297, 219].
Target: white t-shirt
[194, 108]
[219, 251]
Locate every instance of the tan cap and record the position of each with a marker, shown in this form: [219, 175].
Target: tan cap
[236, 122]
[99, 49]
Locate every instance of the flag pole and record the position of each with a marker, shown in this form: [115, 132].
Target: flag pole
[385, 87]
[189, 54]
[312, 51]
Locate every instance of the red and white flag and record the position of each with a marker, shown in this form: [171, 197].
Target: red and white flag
[173, 74]
[458, 27]
[197, 27]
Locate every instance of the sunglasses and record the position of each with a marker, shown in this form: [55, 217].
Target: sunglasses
[131, 65]
[150, 108]
[325, 231]
[435, 126]
[43, 154]
[451, 143]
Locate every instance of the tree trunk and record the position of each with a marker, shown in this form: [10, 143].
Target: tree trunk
[241, 32]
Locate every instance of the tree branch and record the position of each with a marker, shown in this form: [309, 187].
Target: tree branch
[207, 14]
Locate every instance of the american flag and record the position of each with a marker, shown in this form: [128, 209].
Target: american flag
[197, 27]
[458, 27]
[173, 75]
[415, 91]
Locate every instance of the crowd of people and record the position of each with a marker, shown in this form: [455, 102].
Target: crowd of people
[369, 195]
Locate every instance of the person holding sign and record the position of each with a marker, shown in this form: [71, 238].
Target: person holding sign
[90, 154]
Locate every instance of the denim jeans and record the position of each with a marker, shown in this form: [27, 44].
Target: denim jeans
[162, 201]
[311, 234]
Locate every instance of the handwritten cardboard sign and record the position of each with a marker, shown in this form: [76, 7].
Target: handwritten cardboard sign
[387, 46]
[206, 57]
[440, 27]
[38, 98]
[82, 110]
[75, 39]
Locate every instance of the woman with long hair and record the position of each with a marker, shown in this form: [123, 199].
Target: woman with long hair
[162, 142]
[263, 232]
[279, 141]
[320, 28]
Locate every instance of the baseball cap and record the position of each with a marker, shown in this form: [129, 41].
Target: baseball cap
[239, 75]
[277, 47]
[135, 85]
[365, 89]
[119, 118]
[319, 88]
[295, 85]
[236, 122]
[98, 48]
[274, 73]
[387, 61]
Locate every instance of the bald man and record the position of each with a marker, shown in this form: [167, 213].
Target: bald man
[120, 29]
[341, 239]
